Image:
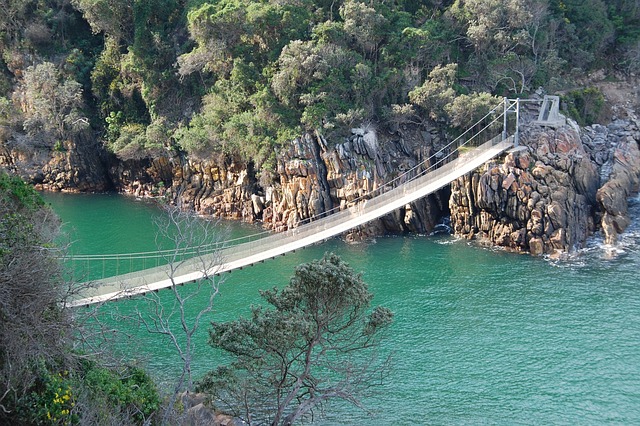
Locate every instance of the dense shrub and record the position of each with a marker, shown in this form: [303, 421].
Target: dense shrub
[239, 77]
[586, 106]
[43, 380]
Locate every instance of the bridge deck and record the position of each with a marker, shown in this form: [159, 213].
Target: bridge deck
[245, 254]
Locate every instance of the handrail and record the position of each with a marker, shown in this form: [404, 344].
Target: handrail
[247, 253]
[404, 177]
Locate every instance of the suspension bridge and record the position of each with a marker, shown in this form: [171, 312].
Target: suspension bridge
[456, 159]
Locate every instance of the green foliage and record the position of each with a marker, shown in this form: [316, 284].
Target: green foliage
[625, 17]
[114, 18]
[54, 103]
[466, 110]
[5, 80]
[128, 391]
[51, 401]
[15, 191]
[429, 44]
[586, 106]
[115, 91]
[240, 76]
[5, 111]
[437, 91]
[134, 142]
[316, 342]
[236, 119]
[79, 66]
[439, 97]
[365, 25]
[89, 395]
[585, 33]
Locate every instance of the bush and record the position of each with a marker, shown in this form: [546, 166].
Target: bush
[43, 381]
[50, 402]
[91, 395]
[130, 393]
[586, 106]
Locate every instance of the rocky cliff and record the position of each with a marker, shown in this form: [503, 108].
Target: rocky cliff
[74, 165]
[316, 178]
[548, 195]
[553, 191]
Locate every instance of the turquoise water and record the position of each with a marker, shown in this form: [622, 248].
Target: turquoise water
[480, 336]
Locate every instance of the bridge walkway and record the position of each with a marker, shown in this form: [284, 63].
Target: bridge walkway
[248, 253]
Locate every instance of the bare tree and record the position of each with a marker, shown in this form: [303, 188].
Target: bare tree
[177, 316]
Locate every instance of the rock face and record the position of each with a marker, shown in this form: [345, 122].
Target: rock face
[550, 194]
[316, 178]
[621, 174]
[198, 413]
[313, 179]
[74, 166]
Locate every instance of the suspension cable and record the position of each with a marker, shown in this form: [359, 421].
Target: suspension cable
[413, 173]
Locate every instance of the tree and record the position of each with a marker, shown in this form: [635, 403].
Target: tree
[6, 118]
[12, 19]
[467, 111]
[114, 18]
[365, 25]
[428, 45]
[189, 239]
[513, 72]
[438, 96]
[33, 327]
[437, 91]
[583, 32]
[500, 25]
[315, 344]
[51, 103]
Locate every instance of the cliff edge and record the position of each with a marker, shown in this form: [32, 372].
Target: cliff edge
[554, 190]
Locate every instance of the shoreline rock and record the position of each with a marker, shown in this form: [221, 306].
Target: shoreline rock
[548, 196]
[551, 194]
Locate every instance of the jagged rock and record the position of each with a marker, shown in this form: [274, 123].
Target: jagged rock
[74, 166]
[544, 199]
[199, 414]
[341, 176]
[623, 181]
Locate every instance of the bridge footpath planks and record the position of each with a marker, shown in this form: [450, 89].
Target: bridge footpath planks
[238, 256]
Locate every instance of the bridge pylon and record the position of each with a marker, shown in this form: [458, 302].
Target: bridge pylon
[511, 106]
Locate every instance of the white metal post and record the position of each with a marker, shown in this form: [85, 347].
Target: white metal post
[504, 117]
[517, 132]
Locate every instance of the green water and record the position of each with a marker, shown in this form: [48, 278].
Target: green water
[480, 336]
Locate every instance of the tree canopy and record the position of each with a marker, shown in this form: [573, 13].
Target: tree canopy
[240, 77]
[316, 342]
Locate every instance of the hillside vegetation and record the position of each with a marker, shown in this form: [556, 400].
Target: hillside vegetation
[240, 76]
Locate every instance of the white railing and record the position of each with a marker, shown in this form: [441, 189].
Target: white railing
[250, 252]
[191, 264]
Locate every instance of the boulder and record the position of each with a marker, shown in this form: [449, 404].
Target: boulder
[549, 197]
